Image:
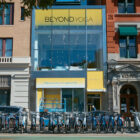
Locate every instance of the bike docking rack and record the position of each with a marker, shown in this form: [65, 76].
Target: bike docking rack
[136, 116]
[62, 122]
[13, 122]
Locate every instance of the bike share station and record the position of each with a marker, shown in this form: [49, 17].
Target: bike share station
[69, 69]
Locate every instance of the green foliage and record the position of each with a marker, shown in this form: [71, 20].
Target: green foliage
[30, 4]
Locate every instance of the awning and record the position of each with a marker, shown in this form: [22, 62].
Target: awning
[128, 31]
[95, 81]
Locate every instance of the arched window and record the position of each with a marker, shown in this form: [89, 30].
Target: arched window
[128, 89]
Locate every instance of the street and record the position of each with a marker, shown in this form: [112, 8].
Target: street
[117, 136]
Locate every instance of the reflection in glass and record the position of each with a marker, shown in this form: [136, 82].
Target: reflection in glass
[74, 99]
[77, 47]
[69, 47]
[44, 45]
[67, 94]
[123, 105]
[126, 6]
[4, 97]
[132, 47]
[78, 100]
[8, 49]
[128, 46]
[132, 105]
[123, 50]
[7, 15]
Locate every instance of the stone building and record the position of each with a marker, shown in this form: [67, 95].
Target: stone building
[14, 55]
[123, 48]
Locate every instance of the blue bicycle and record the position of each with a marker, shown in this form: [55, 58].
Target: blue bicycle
[120, 123]
[112, 124]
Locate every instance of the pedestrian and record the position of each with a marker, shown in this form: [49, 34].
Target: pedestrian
[93, 108]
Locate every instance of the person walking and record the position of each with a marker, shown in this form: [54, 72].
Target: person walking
[93, 108]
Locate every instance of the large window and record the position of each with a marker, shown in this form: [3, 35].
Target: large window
[126, 6]
[6, 14]
[128, 47]
[66, 42]
[74, 99]
[6, 45]
[70, 48]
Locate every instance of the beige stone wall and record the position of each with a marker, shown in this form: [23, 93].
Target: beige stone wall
[19, 31]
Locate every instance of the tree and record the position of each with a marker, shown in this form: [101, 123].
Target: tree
[30, 4]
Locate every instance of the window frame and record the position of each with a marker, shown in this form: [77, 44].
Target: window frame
[4, 47]
[127, 38]
[11, 18]
[126, 3]
[22, 17]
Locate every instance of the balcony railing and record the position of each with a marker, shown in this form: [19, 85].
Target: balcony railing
[5, 59]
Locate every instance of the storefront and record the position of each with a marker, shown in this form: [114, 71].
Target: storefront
[69, 55]
[54, 90]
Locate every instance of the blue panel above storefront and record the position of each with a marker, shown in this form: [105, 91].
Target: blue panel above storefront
[58, 74]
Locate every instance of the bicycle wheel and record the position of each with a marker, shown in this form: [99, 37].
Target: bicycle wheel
[106, 129]
[98, 130]
[122, 129]
[115, 129]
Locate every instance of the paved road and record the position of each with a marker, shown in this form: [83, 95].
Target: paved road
[70, 137]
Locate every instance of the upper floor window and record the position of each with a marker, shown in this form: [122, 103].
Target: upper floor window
[126, 6]
[6, 14]
[22, 13]
[6, 46]
[128, 47]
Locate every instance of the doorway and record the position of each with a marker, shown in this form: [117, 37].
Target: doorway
[93, 99]
[128, 100]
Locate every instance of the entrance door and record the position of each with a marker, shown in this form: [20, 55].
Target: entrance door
[93, 100]
[128, 101]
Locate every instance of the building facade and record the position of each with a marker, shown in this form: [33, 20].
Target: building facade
[68, 55]
[14, 55]
[123, 47]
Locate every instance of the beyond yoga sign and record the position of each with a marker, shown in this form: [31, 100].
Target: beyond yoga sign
[67, 17]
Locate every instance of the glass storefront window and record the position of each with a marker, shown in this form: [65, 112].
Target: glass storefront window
[78, 100]
[68, 42]
[77, 48]
[93, 99]
[44, 46]
[67, 94]
[74, 99]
